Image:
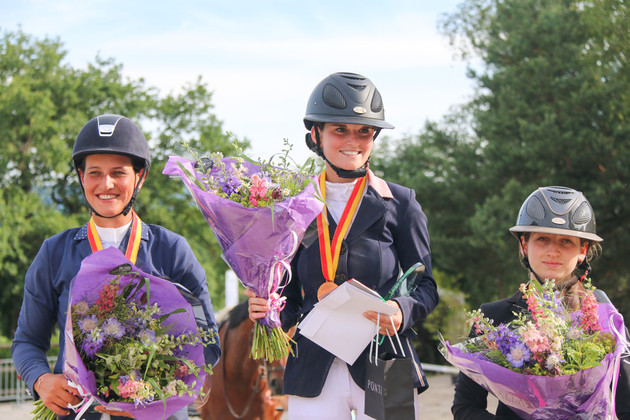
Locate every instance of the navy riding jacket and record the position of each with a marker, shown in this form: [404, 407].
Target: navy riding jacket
[389, 233]
[162, 253]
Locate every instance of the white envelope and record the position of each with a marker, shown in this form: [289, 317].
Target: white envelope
[337, 324]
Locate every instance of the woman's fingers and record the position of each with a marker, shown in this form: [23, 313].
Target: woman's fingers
[388, 325]
[56, 394]
[257, 307]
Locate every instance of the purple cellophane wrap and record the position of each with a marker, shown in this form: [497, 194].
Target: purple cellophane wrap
[585, 394]
[93, 275]
[254, 240]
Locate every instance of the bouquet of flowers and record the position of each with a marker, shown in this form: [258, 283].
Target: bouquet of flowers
[132, 342]
[550, 362]
[258, 213]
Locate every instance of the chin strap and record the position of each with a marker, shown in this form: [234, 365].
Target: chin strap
[342, 173]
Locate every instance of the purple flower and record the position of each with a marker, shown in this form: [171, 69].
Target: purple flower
[92, 343]
[113, 328]
[229, 183]
[518, 354]
[88, 324]
[504, 338]
[147, 337]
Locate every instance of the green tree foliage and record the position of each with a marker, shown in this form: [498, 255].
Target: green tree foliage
[551, 108]
[43, 104]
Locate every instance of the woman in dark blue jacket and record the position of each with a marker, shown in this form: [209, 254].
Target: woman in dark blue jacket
[557, 239]
[387, 234]
[111, 157]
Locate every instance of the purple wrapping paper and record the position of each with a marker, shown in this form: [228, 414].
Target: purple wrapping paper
[257, 243]
[92, 276]
[583, 395]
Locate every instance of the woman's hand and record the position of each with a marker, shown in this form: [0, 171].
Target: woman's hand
[387, 328]
[56, 394]
[258, 307]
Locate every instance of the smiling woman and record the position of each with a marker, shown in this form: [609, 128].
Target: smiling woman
[111, 157]
[369, 230]
[109, 182]
[556, 233]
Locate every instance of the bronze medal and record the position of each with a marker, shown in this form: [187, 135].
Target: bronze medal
[325, 288]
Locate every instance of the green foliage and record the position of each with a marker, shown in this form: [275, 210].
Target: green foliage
[551, 108]
[43, 104]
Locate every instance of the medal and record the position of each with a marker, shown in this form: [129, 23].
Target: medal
[329, 252]
[325, 288]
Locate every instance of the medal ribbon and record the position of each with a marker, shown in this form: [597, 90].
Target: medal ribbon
[329, 253]
[134, 237]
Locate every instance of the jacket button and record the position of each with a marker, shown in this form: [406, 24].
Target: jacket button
[342, 277]
[343, 249]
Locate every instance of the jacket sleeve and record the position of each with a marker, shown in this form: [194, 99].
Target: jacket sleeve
[36, 321]
[471, 400]
[187, 271]
[412, 245]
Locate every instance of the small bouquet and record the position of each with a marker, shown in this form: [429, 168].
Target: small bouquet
[258, 213]
[132, 342]
[550, 362]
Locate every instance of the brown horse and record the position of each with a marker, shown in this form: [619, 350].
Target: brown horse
[241, 387]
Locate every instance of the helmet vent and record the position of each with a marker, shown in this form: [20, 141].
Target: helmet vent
[377, 102]
[352, 76]
[357, 87]
[333, 98]
[582, 214]
[535, 209]
[561, 200]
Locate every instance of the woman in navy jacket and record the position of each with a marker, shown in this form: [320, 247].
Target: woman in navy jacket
[388, 234]
[557, 238]
[111, 157]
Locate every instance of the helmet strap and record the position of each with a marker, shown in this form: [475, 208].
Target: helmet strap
[342, 173]
[526, 260]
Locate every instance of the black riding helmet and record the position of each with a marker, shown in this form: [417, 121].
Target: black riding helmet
[115, 134]
[559, 211]
[347, 98]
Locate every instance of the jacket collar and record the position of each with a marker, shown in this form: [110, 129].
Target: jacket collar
[379, 185]
[81, 234]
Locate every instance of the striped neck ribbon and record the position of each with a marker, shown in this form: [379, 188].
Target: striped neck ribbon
[329, 252]
[134, 237]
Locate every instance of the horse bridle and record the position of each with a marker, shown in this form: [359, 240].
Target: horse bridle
[264, 372]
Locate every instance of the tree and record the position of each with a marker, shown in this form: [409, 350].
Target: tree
[43, 104]
[551, 108]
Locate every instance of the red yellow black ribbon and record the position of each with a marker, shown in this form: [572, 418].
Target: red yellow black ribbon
[134, 237]
[329, 252]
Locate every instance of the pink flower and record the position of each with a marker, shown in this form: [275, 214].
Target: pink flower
[590, 317]
[259, 187]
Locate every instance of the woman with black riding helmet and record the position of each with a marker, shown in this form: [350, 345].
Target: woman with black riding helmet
[111, 157]
[557, 240]
[385, 234]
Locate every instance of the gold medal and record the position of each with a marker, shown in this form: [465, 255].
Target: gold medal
[325, 288]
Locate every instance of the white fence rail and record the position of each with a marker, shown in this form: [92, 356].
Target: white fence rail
[12, 388]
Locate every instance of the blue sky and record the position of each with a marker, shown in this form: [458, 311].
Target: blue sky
[262, 59]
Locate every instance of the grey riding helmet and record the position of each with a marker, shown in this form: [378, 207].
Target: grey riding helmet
[111, 133]
[557, 210]
[115, 134]
[346, 98]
